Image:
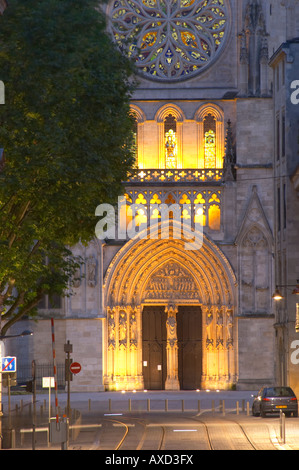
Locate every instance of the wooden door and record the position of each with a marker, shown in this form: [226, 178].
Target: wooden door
[154, 347]
[189, 331]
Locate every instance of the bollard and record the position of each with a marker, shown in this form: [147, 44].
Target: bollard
[282, 427]
[243, 406]
[237, 407]
[89, 404]
[248, 410]
[148, 404]
[130, 404]
[183, 406]
[198, 406]
[166, 404]
[223, 407]
[13, 438]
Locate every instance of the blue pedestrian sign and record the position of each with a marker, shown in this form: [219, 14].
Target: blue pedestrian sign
[9, 364]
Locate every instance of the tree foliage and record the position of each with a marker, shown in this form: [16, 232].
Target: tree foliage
[67, 136]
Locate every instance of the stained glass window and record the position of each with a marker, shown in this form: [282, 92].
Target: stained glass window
[170, 39]
[210, 141]
[135, 137]
[170, 142]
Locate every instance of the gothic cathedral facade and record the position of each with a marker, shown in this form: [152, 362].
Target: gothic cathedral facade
[212, 110]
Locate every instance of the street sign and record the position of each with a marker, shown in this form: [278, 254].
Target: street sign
[9, 364]
[75, 368]
[48, 382]
[9, 380]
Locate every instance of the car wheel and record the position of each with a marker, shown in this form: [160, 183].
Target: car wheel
[255, 413]
[295, 414]
[263, 414]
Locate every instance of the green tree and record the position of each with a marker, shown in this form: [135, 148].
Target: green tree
[67, 136]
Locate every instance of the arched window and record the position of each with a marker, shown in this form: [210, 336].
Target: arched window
[135, 137]
[138, 118]
[210, 141]
[170, 134]
[211, 147]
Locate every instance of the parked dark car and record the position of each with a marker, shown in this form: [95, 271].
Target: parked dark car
[273, 399]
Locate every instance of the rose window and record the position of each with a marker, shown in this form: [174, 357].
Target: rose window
[170, 39]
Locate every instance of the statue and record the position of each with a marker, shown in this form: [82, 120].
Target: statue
[91, 271]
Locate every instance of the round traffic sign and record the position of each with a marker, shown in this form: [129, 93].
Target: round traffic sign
[75, 368]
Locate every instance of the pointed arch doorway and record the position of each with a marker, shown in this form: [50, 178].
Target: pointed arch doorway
[189, 331]
[157, 352]
[192, 294]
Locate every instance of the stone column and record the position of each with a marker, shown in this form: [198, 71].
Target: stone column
[111, 342]
[172, 381]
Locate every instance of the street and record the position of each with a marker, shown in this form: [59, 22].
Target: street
[153, 421]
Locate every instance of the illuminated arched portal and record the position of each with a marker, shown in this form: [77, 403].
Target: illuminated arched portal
[148, 274]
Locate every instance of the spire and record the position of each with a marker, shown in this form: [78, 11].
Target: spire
[253, 51]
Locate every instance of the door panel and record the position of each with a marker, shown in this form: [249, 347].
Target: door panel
[189, 330]
[154, 347]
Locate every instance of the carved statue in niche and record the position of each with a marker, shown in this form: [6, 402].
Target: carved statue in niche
[133, 329]
[219, 327]
[229, 328]
[77, 278]
[171, 328]
[122, 328]
[111, 330]
[209, 328]
[91, 271]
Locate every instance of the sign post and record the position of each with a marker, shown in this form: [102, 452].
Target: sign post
[68, 349]
[49, 382]
[9, 367]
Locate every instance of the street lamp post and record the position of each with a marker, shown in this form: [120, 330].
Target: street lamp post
[278, 295]
[2, 338]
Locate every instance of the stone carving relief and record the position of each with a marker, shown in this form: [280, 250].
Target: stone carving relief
[169, 282]
[255, 245]
[255, 272]
[123, 328]
[111, 330]
[229, 329]
[133, 329]
[171, 326]
[209, 330]
[77, 278]
[219, 330]
[91, 271]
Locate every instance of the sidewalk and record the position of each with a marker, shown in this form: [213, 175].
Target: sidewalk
[83, 398]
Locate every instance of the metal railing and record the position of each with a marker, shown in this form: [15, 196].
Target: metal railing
[24, 373]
